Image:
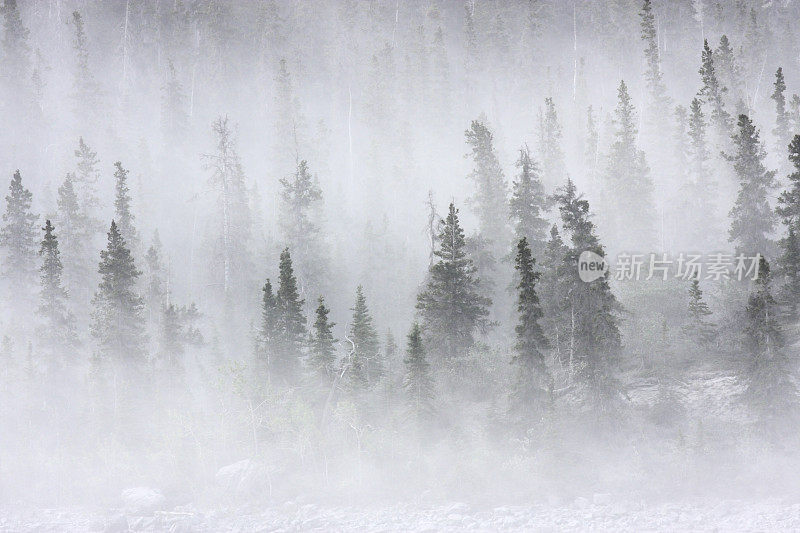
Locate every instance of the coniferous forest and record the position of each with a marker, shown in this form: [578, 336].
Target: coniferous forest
[319, 265]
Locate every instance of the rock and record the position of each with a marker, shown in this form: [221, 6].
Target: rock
[142, 500]
[242, 478]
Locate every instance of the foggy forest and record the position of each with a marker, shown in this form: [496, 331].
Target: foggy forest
[384, 265]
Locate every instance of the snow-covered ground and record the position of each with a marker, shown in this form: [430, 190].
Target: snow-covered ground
[600, 513]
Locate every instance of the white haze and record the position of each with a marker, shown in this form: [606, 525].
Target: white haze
[379, 113]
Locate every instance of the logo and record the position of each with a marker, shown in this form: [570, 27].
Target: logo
[591, 266]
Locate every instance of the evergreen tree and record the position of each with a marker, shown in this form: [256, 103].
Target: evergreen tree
[234, 223]
[418, 381]
[771, 391]
[58, 327]
[178, 331]
[594, 338]
[14, 60]
[697, 326]
[367, 366]
[730, 76]
[122, 208]
[752, 218]
[268, 333]
[117, 322]
[554, 169]
[490, 197]
[781, 131]
[85, 183]
[289, 124]
[528, 203]
[291, 324]
[533, 381]
[553, 292]
[322, 348]
[86, 92]
[592, 151]
[174, 120]
[450, 305]
[76, 240]
[631, 218]
[18, 237]
[301, 213]
[655, 81]
[154, 270]
[713, 93]
[789, 210]
[702, 189]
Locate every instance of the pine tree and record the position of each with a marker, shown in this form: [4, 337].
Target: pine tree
[554, 169]
[752, 218]
[781, 131]
[322, 350]
[451, 307]
[655, 81]
[301, 214]
[789, 210]
[122, 208]
[490, 196]
[553, 292]
[117, 322]
[154, 294]
[18, 237]
[713, 93]
[58, 328]
[418, 382]
[771, 391]
[178, 331]
[366, 363]
[533, 381]
[268, 336]
[697, 327]
[528, 203]
[631, 218]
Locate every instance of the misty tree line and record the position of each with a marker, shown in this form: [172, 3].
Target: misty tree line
[501, 316]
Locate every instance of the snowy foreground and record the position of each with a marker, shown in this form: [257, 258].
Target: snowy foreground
[599, 514]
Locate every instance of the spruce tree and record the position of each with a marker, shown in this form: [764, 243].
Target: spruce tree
[86, 91]
[155, 291]
[771, 391]
[267, 356]
[533, 381]
[752, 218]
[781, 131]
[451, 306]
[58, 325]
[702, 189]
[789, 210]
[174, 119]
[418, 381]
[322, 349]
[18, 238]
[491, 195]
[234, 221]
[301, 214]
[553, 292]
[528, 203]
[729, 76]
[554, 169]
[291, 323]
[122, 208]
[75, 233]
[117, 321]
[85, 182]
[655, 81]
[712, 92]
[367, 366]
[697, 326]
[631, 217]
[594, 338]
